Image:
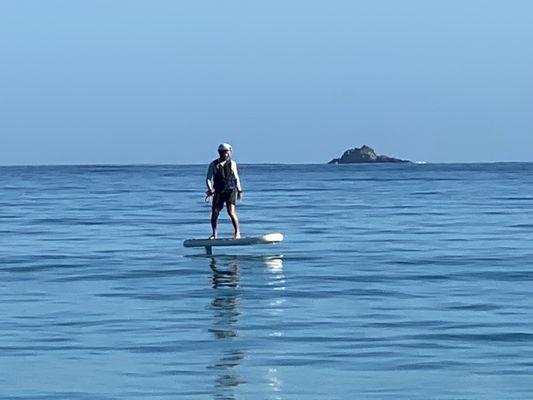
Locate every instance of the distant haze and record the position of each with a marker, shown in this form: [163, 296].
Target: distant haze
[283, 81]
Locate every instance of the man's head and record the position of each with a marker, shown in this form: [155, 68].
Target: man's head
[224, 150]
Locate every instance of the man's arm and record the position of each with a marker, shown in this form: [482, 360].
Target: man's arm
[236, 174]
[237, 180]
[209, 179]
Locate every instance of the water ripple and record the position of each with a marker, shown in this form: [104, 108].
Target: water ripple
[394, 282]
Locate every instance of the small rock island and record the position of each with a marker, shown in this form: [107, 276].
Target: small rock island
[364, 154]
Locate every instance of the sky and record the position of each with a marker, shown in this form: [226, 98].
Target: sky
[292, 81]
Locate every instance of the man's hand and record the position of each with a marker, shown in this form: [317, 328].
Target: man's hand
[239, 195]
[208, 195]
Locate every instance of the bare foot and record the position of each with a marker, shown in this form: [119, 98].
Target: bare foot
[213, 236]
[237, 235]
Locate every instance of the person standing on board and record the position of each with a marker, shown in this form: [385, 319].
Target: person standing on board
[224, 185]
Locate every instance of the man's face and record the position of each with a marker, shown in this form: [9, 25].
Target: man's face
[225, 154]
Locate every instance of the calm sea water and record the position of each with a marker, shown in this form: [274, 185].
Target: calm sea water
[394, 282]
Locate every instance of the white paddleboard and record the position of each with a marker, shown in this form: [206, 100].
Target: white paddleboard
[244, 241]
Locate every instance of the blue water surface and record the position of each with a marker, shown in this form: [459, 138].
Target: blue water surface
[395, 281]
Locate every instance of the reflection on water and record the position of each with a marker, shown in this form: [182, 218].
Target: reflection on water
[225, 277]
[226, 306]
[274, 264]
[274, 382]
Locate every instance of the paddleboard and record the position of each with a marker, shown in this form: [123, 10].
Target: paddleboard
[268, 238]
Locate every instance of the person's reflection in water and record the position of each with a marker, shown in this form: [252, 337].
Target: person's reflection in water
[226, 313]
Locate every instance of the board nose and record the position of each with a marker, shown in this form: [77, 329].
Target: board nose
[273, 237]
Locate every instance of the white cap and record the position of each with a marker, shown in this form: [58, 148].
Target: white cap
[224, 147]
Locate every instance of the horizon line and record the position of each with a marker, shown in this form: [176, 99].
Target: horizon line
[150, 164]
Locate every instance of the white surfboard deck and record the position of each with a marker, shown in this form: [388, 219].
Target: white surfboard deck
[268, 238]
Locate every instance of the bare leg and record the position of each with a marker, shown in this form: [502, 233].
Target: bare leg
[214, 217]
[234, 220]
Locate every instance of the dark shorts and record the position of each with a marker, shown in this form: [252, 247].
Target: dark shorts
[225, 197]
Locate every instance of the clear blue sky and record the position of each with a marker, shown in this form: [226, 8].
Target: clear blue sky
[128, 81]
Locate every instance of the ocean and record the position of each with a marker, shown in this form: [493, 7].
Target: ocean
[395, 281]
